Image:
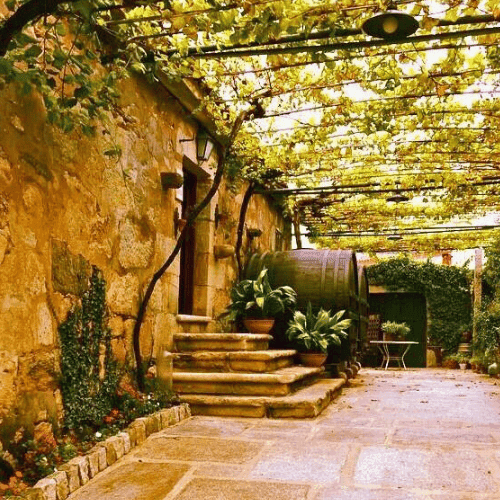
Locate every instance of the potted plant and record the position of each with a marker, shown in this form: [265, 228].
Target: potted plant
[463, 361]
[312, 334]
[257, 304]
[395, 331]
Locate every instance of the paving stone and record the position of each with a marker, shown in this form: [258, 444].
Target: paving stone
[226, 489]
[437, 435]
[372, 494]
[133, 481]
[424, 468]
[351, 435]
[309, 462]
[219, 471]
[197, 449]
[209, 427]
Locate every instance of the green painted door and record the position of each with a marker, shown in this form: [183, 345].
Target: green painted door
[410, 308]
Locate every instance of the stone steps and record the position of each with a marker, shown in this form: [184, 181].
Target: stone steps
[233, 361]
[308, 402]
[281, 382]
[235, 374]
[189, 342]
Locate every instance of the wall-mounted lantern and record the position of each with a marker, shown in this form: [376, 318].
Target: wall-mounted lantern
[391, 24]
[204, 145]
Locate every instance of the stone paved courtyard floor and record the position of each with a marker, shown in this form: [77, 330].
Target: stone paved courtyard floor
[426, 434]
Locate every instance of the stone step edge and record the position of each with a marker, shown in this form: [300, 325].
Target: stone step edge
[282, 376]
[289, 405]
[78, 471]
[230, 337]
[254, 355]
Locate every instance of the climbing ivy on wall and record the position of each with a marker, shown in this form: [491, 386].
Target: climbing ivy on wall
[487, 339]
[446, 289]
[89, 377]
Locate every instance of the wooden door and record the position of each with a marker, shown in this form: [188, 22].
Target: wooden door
[186, 278]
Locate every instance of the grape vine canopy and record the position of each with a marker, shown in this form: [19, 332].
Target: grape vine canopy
[344, 121]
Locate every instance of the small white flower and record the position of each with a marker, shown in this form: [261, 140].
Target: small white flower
[98, 434]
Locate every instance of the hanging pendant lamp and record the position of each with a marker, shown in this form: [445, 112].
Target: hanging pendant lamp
[391, 24]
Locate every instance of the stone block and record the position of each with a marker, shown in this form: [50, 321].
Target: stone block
[93, 458]
[83, 468]
[48, 488]
[119, 350]
[114, 449]
[136, 246]
[70, 273]
[184, 411]
[102, 457]
[139, 429]
[62, 486]
[153, 423]
[127, 445]
[132, 435]
[167, 417]
[44, 325]
[116, 326]
[33, 494]
[72, 474]
[122, 294]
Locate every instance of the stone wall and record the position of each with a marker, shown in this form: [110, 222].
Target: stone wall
[68, 202]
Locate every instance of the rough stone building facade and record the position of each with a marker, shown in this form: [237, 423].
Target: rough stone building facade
[68, 202]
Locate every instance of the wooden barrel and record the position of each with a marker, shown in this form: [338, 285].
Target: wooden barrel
[364, 308]
[326, 278]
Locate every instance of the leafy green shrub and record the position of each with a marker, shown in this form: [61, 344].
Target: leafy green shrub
[317, 332]
[446, 289]
[398, 330]
[257, 299]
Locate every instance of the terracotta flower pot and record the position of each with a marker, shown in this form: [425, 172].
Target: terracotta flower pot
[312, 358]
[258, 325]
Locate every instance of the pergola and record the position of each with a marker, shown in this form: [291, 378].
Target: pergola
[373, 143]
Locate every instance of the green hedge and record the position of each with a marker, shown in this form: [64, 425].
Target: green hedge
[446, 289]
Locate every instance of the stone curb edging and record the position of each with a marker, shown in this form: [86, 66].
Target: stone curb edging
[79, 470]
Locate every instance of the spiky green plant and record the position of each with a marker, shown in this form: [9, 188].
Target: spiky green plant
[317, 332]
[257, 299]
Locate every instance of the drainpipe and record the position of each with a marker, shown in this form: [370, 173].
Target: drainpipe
[478, 290]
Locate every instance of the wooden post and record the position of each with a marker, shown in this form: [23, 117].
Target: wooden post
[478, 290]
[296, 229]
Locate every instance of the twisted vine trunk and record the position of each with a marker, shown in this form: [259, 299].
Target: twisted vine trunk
[24, 15]
[241, 226]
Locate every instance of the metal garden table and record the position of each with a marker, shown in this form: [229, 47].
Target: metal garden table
[394, 355]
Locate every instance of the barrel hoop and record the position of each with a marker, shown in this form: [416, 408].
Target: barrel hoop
[323, 272]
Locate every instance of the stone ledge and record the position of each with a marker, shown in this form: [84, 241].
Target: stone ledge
[78, 471]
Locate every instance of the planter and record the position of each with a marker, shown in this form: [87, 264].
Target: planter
[312, 358]
[223, 251]
[258, 325]
[463, 366]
